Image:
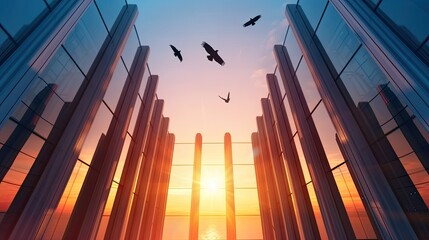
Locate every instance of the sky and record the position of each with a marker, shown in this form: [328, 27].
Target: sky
[191, 88]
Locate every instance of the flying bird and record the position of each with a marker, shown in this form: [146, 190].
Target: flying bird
[212, 54]
[227, 98]
[176, 52]
[252, 21]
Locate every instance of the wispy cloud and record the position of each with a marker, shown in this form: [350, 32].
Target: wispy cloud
[258, 78]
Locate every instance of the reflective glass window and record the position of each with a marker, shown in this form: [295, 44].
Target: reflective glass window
[8, 192]
[130, 49]
[116, 85]
[317, 212]
[353, 204]
[122, 158]
[213, 154]
[98, 128]
[289, 115]
[424, 52]
[280, 82]
[372, 3]
[246, 202]
[63, 74]
[293, 50]
[244, 176]
[241, 153]
[4, 41]
[134, 116]
[248, 227]
[302, 160]
[176, 227]
[55, 222]
[212, 227]
[18, 16]
[181, 176]
[337, 39]
[86, 39]
[408, 18]
[313, 10]
[327, 133]
[308, 86]
[144, 81]
[107, 211]
[362, 77]
[178, 202]
[110, 11]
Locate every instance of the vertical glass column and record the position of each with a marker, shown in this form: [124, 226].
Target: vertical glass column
[161, 203]
[261, 181]
[139, 200]
[195, 200]
[279, 226]
[305, 215]
[333, 211]
[122, 204]
[229, 188]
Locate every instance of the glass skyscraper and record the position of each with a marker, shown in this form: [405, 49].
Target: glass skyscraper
[347, 118]
[80, 123]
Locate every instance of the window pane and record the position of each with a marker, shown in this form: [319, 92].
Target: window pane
[86, 39]
[116, 85]
[122, 158]
[293, 50]
[178, 202]
[242, 153]
[327, 133]
[313, 10]
[337, 39]
[244, 176]
[176, 227]
[18, 16]
[212, 227]
[181, 176]
[408, 18]
[248, 227]
[134, 116]
[308, 86]
[246, 202]
[98, 128]
[63, 74]
[4, 42]
[183, 154]
[362, 77]
[110, 11]
[130, 49]
[213, 154]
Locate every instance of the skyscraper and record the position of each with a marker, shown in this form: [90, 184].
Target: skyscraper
[348, 100]
[79, 115]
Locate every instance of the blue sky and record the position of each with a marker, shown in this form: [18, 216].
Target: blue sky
[191, 88]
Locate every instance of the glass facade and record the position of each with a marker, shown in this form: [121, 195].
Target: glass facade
[396, 137]
[212, 210]
[29, 134]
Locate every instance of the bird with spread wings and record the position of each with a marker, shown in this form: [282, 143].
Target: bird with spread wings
[176, 52]
[252, 21]
[212, 54]
[226, 99]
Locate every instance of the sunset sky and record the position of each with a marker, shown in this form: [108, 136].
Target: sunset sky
[191, 88]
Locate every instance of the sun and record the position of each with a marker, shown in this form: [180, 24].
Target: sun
[212, 185]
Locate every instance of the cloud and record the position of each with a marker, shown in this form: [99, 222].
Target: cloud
[258, 78]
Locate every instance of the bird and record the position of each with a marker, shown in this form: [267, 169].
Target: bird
[227, 98]
[212, 54]
[252, 21]
[177, 53]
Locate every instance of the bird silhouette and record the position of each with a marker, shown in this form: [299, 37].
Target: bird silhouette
[252, 21]
[226, 99]
[176, 52]
[212, 54]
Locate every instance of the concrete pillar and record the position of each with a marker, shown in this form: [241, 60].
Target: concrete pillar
[139, 200]
[281, 181]
[229, 188]
[161, 204]
[279, 226]
[122, 204]
[261, 183]
[306, 219]
[385, 209]
[92, 198]
[195, 200]
[62, 161]
[154, 183]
